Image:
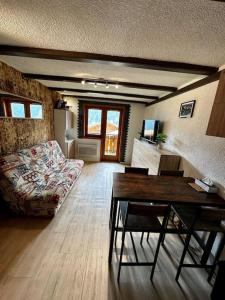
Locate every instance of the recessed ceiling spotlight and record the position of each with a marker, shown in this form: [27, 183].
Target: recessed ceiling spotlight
[117, 86]
[83, 81]
[107, 85]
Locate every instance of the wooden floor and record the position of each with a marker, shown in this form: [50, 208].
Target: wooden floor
[66, 257]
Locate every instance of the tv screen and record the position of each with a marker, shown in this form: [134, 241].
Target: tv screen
[150, 129]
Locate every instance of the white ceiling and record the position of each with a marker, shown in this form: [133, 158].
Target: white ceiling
[171, 30]
[95, 71]
[105, 97]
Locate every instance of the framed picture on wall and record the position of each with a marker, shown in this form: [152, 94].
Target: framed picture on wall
[187, 109]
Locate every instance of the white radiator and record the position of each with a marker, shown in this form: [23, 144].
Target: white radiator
[88, 150]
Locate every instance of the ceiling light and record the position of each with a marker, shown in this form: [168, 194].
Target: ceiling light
[101, 83]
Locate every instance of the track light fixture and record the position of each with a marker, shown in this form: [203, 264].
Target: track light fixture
[100, 82]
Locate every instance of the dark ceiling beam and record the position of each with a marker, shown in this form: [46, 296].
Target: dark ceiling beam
[121, 83]
[104, 99]
[189, 87]
[105, 93]
[120, 61]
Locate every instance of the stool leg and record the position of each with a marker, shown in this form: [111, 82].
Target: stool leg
[187, 240]
[156, 254]
[135, 252]
[219, 251]
[142, 235]
[121, 255]
[172, 216]
[164, 235]
[117, 223]
[148, 236]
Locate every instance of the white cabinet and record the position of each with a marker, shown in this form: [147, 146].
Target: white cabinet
[146, 155]
[62, 124]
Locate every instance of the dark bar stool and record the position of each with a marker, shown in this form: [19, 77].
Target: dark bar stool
[130, 170]
[175, 173]
[134, 170]
[206, 219]
[218, 291]
[138, 218]
[178, 173]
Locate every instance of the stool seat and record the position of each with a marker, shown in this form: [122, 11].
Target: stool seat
[139, 223]
[208, 219]
[186, 215]
[139, 217]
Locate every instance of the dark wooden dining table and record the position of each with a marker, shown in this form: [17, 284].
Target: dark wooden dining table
[155, 189]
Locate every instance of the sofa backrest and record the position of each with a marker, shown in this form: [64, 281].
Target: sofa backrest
[15, 170]
[55, 152]
[44, 156]
[30, 165]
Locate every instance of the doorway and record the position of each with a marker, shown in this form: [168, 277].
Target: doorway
[105, 123]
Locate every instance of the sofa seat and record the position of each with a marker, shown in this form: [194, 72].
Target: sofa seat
[36, 181]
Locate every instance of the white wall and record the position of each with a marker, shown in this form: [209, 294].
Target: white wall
[135, 123]
[202, 155]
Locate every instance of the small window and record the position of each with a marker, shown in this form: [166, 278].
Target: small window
[36, 111]
[94, 121]
[18, 110]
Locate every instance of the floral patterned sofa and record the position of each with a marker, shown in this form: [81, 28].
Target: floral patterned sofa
[35, 181]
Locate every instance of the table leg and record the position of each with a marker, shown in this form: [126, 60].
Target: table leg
[112, 230]
[111, 212]
[208, 247]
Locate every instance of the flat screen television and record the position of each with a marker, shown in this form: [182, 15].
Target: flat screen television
[150, 130]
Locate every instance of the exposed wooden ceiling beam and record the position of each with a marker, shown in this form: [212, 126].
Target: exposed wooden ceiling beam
[189, 87]
[121, 83]
[105, 93]
[120, 61]
[104, 99]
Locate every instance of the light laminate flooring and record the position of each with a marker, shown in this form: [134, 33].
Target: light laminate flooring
[66, 257]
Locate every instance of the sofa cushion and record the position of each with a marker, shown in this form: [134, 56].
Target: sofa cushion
[35, 181]
[44, 156]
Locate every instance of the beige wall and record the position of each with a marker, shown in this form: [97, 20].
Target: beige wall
[135, 123]
[202, 155]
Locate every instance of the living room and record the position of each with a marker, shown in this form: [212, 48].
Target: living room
[106, 107]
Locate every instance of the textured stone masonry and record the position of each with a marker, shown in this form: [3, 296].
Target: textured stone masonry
[20, 133]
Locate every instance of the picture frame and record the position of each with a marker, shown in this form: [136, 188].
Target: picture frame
[187, 109]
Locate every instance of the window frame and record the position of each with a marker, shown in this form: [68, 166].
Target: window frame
[35, 103]
[86, 134]
[2, 103]
[126, 110]
[8, 111]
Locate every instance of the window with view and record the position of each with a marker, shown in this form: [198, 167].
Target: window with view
[36, 111]
[17, 110]
[94, 121]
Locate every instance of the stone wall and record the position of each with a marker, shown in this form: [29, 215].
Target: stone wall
[20, 133]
